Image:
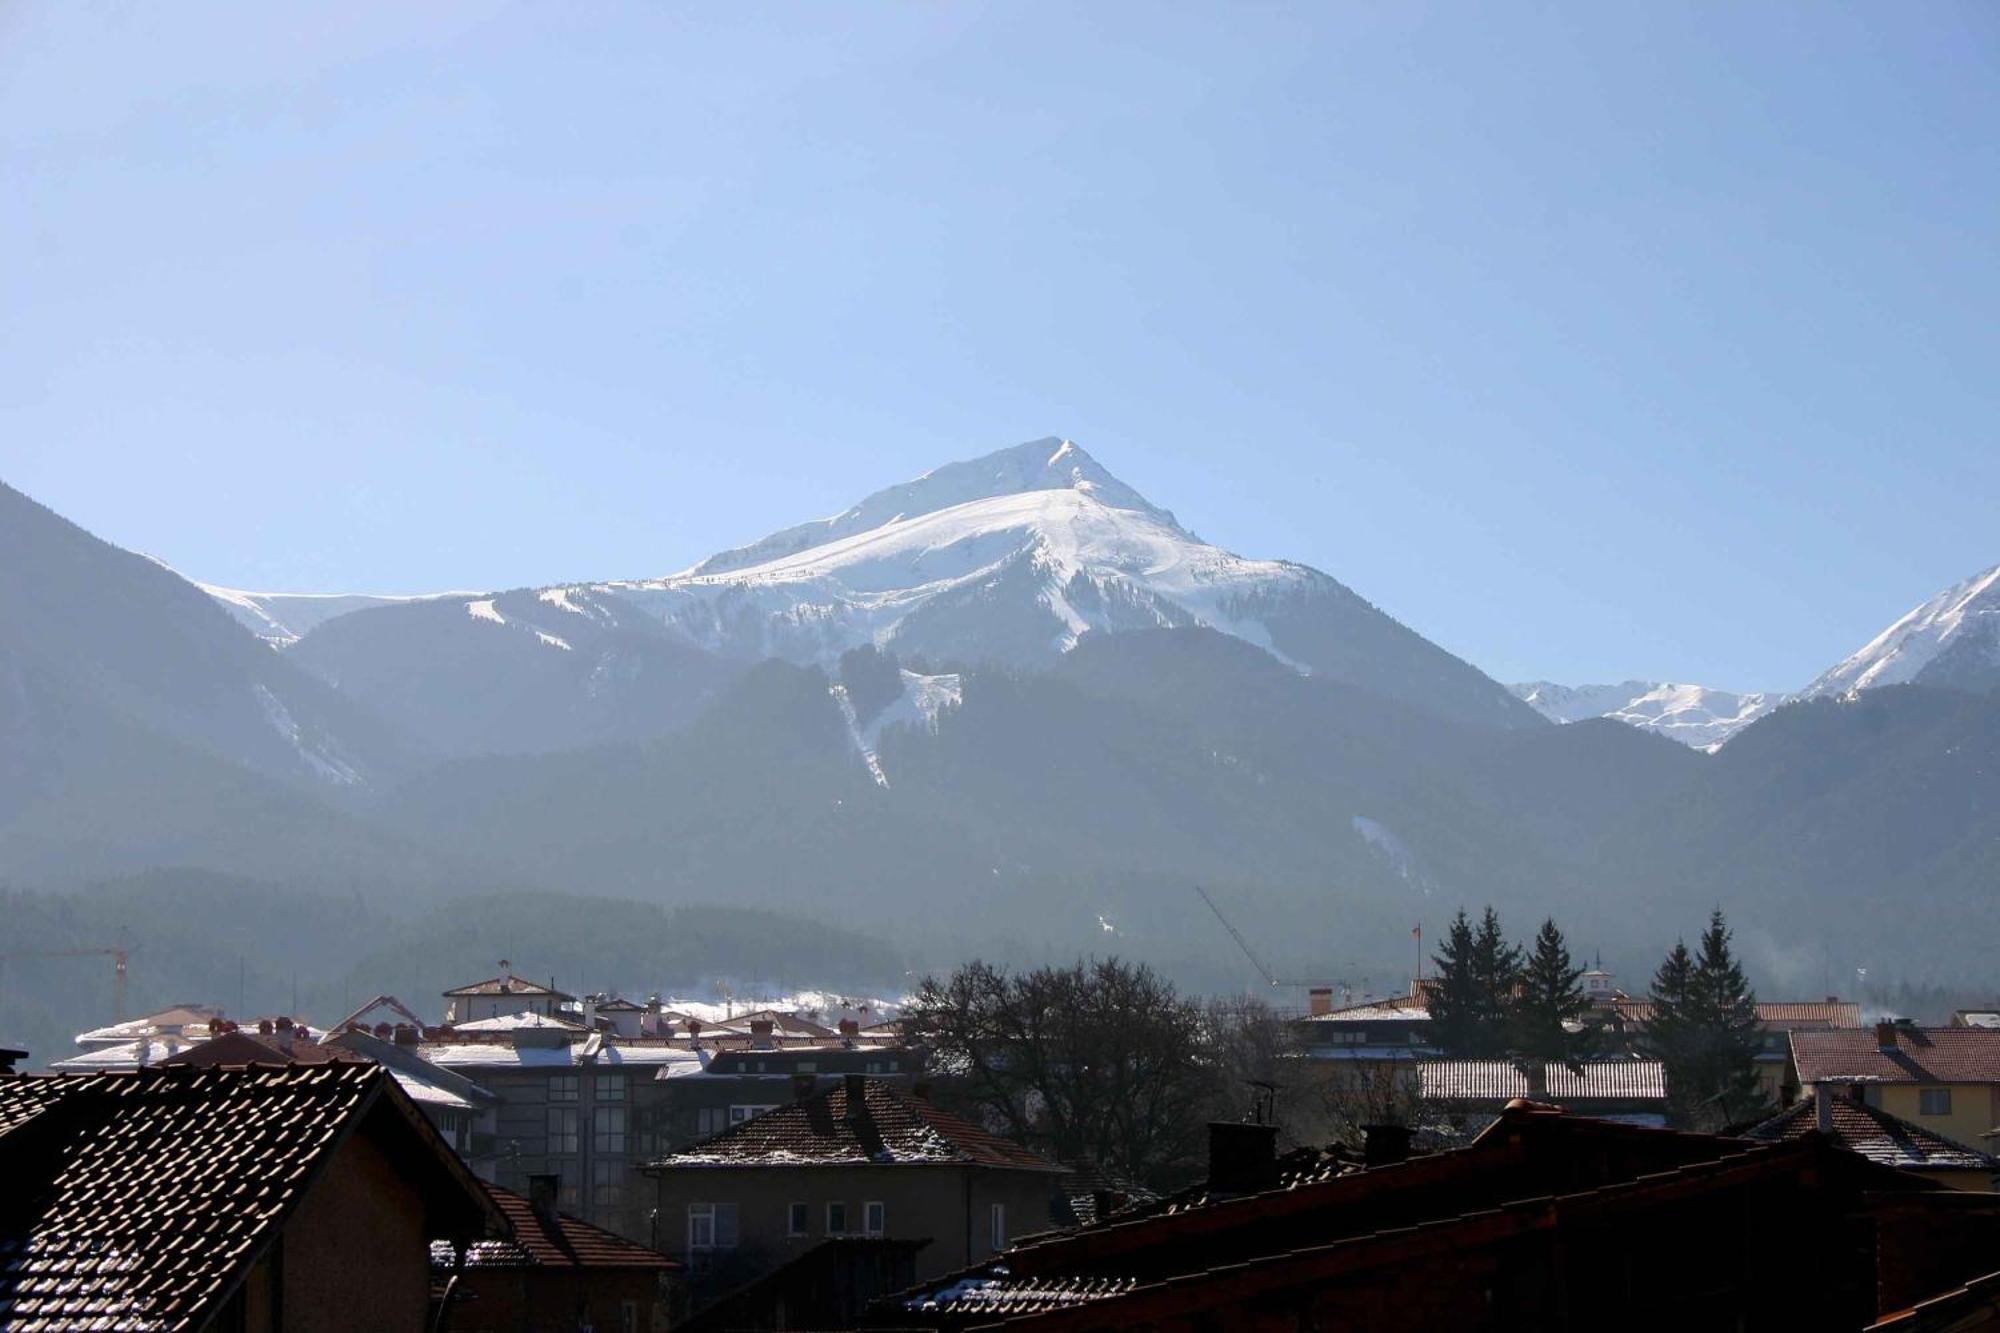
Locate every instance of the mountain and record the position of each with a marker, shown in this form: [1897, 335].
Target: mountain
[91, 628]
[283, 618]
[1012, 559]
[1691, 714]
[1952, 640]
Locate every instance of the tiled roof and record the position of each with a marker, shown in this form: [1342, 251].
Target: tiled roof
[1399, 1009]
[890, 1127]
[570, 1243]
[1786, 1014]
[143, 1197]
[1503, 1080]
[526, 1019]
[255, 1048]
[1919, 1055]
[1878, 1136]
[509, 986]
[1000, 1297]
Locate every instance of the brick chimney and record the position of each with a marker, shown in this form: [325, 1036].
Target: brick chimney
[1242, 1159]
[542, 1191]
[407, 1034]
[848, 1030]
[760, 1033]
[1319, 1001]
[1385, 1145]
[1885, 1034]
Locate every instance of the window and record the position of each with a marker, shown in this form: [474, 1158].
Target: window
[611, 1087]
[710, 1120]
[836, 1219]
[562, 1088]
[607, 1128]
[873, 1215]
[997, 1225]
[806, 1067]
[712, 1226]
[562, 1129]
[738, 1114]
[607, 1185]
[1934, 1101]
[800, 1221]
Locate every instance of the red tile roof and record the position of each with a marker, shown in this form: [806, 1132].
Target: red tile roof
[890, 1126]
[570, 1243]
[1878, 1136]
[139, 1199]
[1775, 1014]
[1918, 1055]
[240, 1048]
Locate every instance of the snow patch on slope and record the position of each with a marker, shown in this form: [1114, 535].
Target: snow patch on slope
[283, 618]
[322, 762]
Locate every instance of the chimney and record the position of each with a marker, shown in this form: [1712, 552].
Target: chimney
[1885, 1035]
[802, 1086]
[1385, 1145]
[649, 1022]
[1242, 1159]
[1823, 1110]
[382, 1030]
[1319, 1001]
[760, 1033]
[848, 1030]
[590, 1012]
[264, 1028]
[506, 975]
[542, 1196]
[406, 1034]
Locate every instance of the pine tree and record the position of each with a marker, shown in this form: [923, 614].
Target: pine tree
[1496, 971]
[1454, 993]
[1548, 997]
[1704, 1030]
[1726, 1011]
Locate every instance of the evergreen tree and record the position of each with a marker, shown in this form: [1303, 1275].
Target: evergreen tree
[1549, 996]
[1496, 971]
[1704, 1030]
[1731, 1037]
[1455, 996]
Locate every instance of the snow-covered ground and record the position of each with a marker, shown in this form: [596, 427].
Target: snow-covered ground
[281, 618]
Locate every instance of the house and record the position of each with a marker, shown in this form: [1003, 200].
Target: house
[1395, 1029]
[864, 1157]
[501, 995]
[463, 1111]
[274, 1197]
[1545, 1220]
[553, 1271]
[1628, 1090]
[1776, 1020]
[1881, 1137]
[1975, 1018]
[828, 1286]
[1946, 1079]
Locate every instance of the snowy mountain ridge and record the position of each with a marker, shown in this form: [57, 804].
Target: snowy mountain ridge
[1695, 715]
[1952, 640]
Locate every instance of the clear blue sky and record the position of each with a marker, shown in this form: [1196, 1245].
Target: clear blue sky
[1591, 341]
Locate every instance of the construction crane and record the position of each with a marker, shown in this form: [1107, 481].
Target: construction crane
[1270, 977]
[121, 965]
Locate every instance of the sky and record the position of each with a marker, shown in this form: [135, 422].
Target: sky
[1591, 341]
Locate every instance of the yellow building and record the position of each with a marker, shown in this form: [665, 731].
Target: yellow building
[1946, 1080]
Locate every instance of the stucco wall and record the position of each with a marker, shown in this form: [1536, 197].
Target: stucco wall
[355, 1255]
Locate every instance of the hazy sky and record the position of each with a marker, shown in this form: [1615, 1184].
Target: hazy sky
[1591, 341]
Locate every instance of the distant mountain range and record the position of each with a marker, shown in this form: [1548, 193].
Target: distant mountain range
[1011, 706]
[1952, 640]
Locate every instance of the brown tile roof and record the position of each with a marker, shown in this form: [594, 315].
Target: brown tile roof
[889, 1127]
[1919, 1055]
[1776, 1014]
[570, 1243]
[509, 986]
[240, 1048]
[139, 1200]
[1503, 1080]
[1878, 1136]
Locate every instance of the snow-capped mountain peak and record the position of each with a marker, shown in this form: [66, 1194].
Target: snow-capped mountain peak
[1050, 464]
[1952, 640]
[1695, 715]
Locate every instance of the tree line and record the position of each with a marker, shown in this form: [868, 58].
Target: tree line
[1492, 999]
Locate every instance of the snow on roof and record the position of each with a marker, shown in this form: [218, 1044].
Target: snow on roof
[517, 1022]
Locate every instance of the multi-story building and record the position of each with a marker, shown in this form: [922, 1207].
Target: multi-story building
[1945, 1079]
